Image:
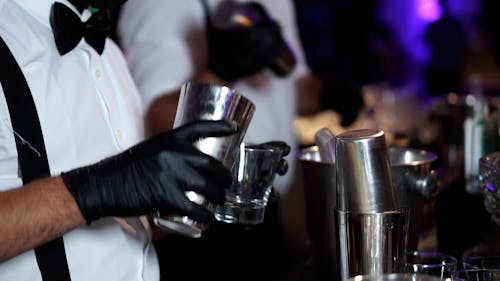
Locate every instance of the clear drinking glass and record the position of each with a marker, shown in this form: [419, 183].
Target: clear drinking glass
[476, 275]
[481, 262]
[430, 263]
[395, 277]
[253, 176]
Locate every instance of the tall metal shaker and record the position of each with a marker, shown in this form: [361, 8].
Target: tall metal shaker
[372, 228]
[201, 101]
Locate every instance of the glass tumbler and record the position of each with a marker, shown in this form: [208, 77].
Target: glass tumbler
[395, 277]
[476, 275]
[430, 263]
[481, 262]
[253, 176]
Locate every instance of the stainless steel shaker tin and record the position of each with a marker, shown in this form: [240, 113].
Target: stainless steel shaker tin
[201, 101]
[183, 224]
[371, 243]
[364, 180]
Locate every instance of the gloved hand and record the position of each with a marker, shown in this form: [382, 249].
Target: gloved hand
[285, 150]
[154, 176]
[239, 50]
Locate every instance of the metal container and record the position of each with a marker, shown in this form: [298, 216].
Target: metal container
[415, 183]
[321, 202]
[364, 180]
[321, 199]
[371, 243]
[200, 101]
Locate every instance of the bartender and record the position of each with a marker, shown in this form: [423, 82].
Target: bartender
[235, 43]
[77, 177]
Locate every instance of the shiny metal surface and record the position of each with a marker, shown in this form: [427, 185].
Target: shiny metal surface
[411, 170]
[326, 142]
[364, 180]
[200, 101]
[321, 199]
[371, 243]
[415, 183]
[183, 224]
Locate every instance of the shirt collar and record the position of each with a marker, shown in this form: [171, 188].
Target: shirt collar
[40, 9]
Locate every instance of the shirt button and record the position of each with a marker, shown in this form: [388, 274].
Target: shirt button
[119, 134]
[98, 73]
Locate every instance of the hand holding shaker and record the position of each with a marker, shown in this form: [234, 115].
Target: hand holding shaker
[199, 101]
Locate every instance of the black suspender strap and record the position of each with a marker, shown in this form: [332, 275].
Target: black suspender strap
[32, 157]
[206, 10]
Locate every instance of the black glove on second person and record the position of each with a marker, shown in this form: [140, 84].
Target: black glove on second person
[285, 150]
[283, 165]
[154, 176]
[237, 51]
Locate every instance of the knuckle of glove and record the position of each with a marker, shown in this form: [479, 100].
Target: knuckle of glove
[283, 167]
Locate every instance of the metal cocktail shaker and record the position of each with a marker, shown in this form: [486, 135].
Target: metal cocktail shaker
[199, 101]
[372, 228]
[364, 179]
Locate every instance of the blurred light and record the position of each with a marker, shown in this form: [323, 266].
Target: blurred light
[490, 186]
[358, 278]
[452, 98]
[428, 10]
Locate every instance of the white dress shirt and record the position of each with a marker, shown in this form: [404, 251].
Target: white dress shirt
[89, 109]
[165, 43]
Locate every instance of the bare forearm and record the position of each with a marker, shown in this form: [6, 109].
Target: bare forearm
[36, 213]
[309, 89]
[161, 113]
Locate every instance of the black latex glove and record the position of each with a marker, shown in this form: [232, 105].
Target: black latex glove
[154, 176]
[238, 50]
[285, 150]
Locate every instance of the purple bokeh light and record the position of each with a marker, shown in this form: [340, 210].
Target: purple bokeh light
[490, 186]
[429, 10]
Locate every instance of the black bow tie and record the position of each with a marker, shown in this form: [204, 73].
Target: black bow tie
[101, 4]
[68, 29]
